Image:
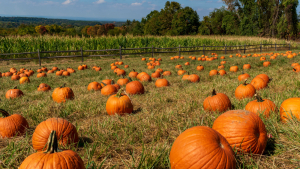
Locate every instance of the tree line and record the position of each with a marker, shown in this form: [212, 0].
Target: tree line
[268, 18]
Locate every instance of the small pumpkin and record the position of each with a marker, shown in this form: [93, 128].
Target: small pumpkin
[288, 108]
[245, 91]
[80, 67]
[193, 78]
[162, 82]
[181, 72]
[222, 72]
[156, 74]
[243, 76]
[145, 78]
[233, 69]
[13, 93]
[186, 63]
[106, 82]
[12, 125]
[135, 87]
[259, 83]
[94, 86]
[67, 159]
[178, 66]
[42, 74]
[167, 73]
[213, 72]
[133, 74]
[15, 77]
[201, 147]
[246, 66]
[24, 80]
[266, 64]
[244, 131]
[123, 81]
[217, 102]
[264, 77]
[260, 105]
[44, 87]
[62, 94]
[119, 104]
[221, 67]
[200, 68]
[108, 90]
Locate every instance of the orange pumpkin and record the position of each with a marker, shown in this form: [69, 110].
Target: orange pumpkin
[167, 73]
[201, 147]
[24, 80]
[162, 82]
[119, 104]
[135, 87]
[290, 108]
[244, 131]
[245, 91]
[261, 106]
[13, 93]
[62, 94]
[259, 83]
[233, 69]
[109, 90]
[133, 74]
[217, 102]
[200, 68]
[246, 66]
[243, 76]
[213, 72]
[44, 87]
[94, 86]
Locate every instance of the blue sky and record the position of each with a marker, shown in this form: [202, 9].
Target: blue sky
[120, 10]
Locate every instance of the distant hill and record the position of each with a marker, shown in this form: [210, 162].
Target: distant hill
[14, 22]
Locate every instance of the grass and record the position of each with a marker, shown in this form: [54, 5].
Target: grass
[144, 138]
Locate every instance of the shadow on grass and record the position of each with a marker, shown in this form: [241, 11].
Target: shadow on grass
[137, 111]
[270, 148]
[84, 140]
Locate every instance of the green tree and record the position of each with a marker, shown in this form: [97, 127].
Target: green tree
[185, 21]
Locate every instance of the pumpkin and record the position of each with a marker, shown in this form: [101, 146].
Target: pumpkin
[156, 74]
[44, 69]
[115, 85]
[42, 74]
[178, 66]
[94, 86]
[223, 62]
[259, 83]
[12, 125]
[221, 67]
[70, 70]
[193, 78]
[120, 63]
[108, 90]
[119, 104]
[133, 74]
[294, 64]
[222, 72]
[62, 94]
[181, 72]
[245, 91]
[126, 66]
[66, 73]
[135, 87]
[7, 74]
[296, 69]
[159, 70]
[186, 76]
[53, 157]
[65, 131]
[261, 106]
[162, 82]
[24, 80]
[121, 72]
[80, 67]
[233, 69]
[167, 73]
[246, 66]
[222, 57]
[151, 67]
[85, 66]
[186, 63]
[55, 68]
[201, 147]
[217, 102]
[141, 74]
[143, 59]
[213, 72]
[113, 67]
[50, 71]
[243, 76]
[15, 77]
[145, 78]
[262, 58]
[123, 81]
[264, 77]
[44, 87]
[288, 108]
[244, 131]
[200, 68]
[13, 70]
[13, 93]
[266, 64]
[106, 82]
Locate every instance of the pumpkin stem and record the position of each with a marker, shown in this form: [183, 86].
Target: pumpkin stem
[52, 145]
[245, 82]
[4, 113]
[112, 81]
[270, 79]
[104, 84]
[258, 98]
[129, 78]
[119, 94]
[133, 70]
[64, 85]
[213, 92]
[15, 87]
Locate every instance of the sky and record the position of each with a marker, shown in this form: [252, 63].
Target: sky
[108, 10]
[119, 10]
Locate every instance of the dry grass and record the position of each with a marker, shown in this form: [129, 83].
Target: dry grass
[144, 138]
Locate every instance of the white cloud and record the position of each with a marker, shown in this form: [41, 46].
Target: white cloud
[67, 2]
[99, 2]
[136, 4]
[210, 9]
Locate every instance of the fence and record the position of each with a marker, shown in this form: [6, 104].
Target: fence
[152, 51]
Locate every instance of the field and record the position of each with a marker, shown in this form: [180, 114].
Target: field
[144, 138]
[56, 43]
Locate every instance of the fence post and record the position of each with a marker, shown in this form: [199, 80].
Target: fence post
[225, 49]
[39, 56]
[275, 47]
[152, 51]
[81, 54]
[260, 47]
[120, 52]
[203, 49]
[244, 48]
[179, 51]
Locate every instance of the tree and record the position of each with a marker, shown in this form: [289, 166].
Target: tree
[41, 29]
[185, 21]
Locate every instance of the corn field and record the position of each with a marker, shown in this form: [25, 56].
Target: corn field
[56, 43]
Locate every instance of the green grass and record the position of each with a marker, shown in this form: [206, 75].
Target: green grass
[144, 138]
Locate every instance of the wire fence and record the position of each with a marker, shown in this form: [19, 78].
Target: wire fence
[141, 51]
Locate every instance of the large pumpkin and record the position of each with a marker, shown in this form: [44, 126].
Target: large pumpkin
[135, 87]
[119, 104]
[201, 147]
[290, 107]
[244, 131]
[217, 102]
[13, 93]
[53, 157]
[260, 105]
[62, 94]
[12, 125]
[65, 131]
